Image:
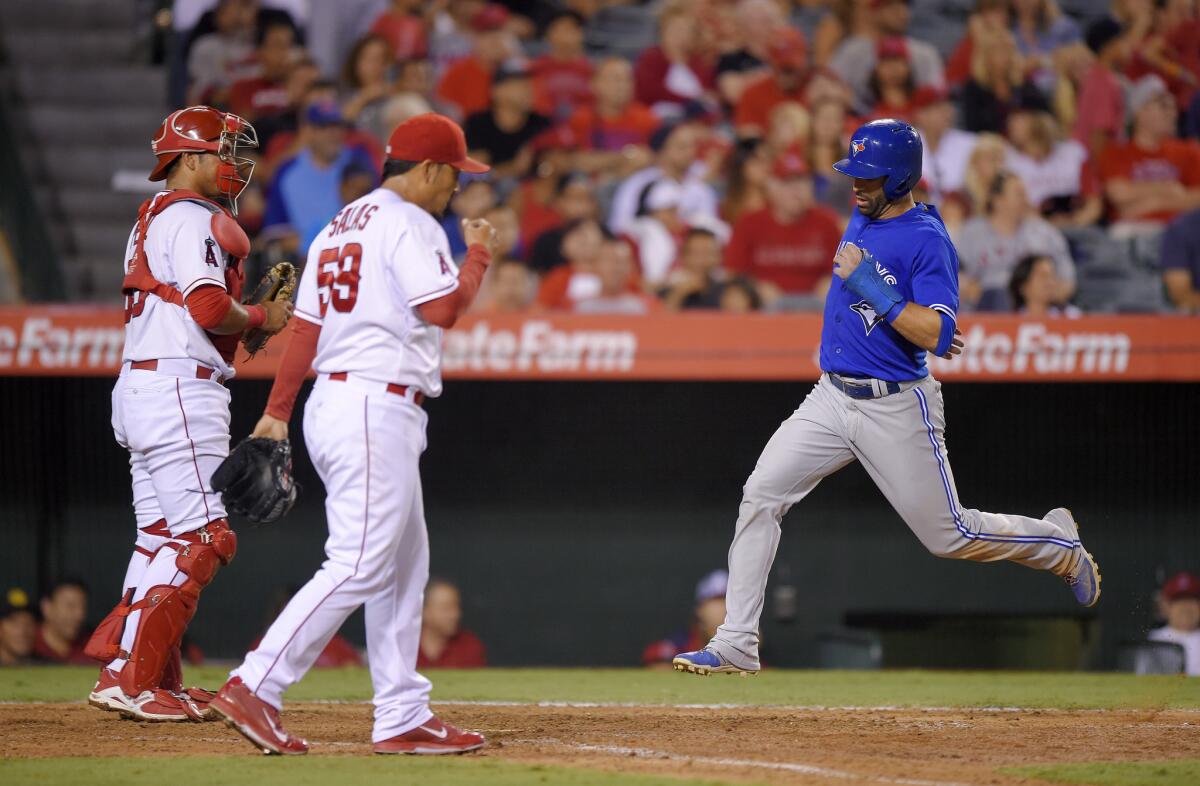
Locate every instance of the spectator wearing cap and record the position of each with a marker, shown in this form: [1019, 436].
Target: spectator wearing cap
[757, 21]
[1100, 108]
[656, 233]
[18, 629]
[787, 55]
[466, 86]
[614, 127]
[366, 78]
[1153, 177]
[947, 149]
[697, 278]
[306, 191]
[445, 643]
[787, 246]
[675, 73]
[991, 245]
[61, 637]
[1180, 259]
[266, 92]
[998, 86]
[892, 83]
[1181, 604]
[619, 292]
[562, 77]
[707, 615]
[500, 135]
[676, 153]
[1036, 290]
[1059, 180]
[403, 27]
[214, 58]
[854, 59]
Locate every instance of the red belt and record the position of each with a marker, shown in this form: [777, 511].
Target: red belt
[392, 387]
[202, 372]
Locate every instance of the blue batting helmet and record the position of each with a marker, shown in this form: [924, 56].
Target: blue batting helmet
[885, 148]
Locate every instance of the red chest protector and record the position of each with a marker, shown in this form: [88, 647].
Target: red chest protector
[139, 281]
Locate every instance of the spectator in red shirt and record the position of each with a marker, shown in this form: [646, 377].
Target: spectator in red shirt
[18, 629]
[562, 77]
[466, 86]
[1100, 113]
[614, 129]
[61, 637]
[267, 93]
[619, 292]
[788, 58]
[892, 80]
[1171, 49]
[708, 615]
[789, 245]
[674, 73]
[1153, 177]
[445, 644]
[404, 30]
[576, 278]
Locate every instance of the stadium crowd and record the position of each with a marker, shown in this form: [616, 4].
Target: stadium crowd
[696, 173]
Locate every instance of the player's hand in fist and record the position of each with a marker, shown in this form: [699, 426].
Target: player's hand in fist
[278, 314]
[478, 230]
[271, 428]
[846, 260]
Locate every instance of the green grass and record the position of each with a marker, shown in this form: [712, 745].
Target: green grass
[778, 687]
[309, 771]
[1177, 772]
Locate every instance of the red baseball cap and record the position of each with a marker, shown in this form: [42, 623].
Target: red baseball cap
[432, 137]
[491, 17]
[790, 164]
[892, 46]
[788, 49]
[928, 96]
[1182, 585]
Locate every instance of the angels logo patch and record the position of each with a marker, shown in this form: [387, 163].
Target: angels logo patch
[210, 255]
[445, 265]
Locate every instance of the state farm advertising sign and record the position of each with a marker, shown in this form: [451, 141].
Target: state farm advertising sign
[87, 341]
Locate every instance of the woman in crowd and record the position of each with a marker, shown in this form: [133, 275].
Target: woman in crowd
[675, 73]
[1039, 29]
[827, 144]
[1056, 173]
[367, 78]
[997, 86]
[1035, 289]
[892, 82]
[986, 161]
[745, 174]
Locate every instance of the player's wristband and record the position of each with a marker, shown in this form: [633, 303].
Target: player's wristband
[256, 316]
[945, 336]
[866, 282]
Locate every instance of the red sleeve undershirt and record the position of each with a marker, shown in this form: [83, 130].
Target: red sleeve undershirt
[208, 305]
[445, 311]
[302, 347]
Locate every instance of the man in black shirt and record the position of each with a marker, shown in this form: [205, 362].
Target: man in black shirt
[501, 135]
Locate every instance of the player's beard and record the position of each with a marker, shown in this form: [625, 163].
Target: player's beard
[875, 206]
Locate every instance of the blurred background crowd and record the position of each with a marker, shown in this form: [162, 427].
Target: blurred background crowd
[676, 154]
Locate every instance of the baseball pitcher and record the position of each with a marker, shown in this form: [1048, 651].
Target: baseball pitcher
[894, 298]
[378, 289]
[170, 408]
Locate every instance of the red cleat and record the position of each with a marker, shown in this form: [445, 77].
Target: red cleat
[431, 738]
[254, 719]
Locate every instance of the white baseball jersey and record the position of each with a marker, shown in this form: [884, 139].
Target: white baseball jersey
[182, 253]
[367, 271]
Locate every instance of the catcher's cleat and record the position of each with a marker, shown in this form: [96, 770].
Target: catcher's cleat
[200, 699]
[1084, 578]
[254, 719]
[433, 737]
[107, 694]
[705, 662]
[160, 706]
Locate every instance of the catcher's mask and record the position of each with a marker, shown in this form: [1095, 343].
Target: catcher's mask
[202, 129]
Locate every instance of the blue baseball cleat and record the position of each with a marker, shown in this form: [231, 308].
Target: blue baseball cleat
[705, 662]
[1084, 580]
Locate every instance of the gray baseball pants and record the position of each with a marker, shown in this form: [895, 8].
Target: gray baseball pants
[899, 440]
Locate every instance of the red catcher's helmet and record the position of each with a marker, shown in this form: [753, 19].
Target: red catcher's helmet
[202, 129]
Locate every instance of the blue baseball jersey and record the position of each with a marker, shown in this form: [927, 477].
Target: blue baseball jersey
[913, 253]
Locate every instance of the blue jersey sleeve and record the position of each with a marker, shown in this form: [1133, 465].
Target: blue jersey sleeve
[935, 276]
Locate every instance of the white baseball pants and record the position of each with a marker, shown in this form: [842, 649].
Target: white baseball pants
[900, 441]
[366, 444]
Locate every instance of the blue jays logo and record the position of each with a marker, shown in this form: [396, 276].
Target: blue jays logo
[863, 308]
[857, 146]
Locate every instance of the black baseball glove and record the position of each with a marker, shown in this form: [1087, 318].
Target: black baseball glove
[255, 480]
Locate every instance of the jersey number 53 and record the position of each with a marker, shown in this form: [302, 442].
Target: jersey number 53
[337, 277]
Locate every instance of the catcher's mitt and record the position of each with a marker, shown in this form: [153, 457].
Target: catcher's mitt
[255, 480]
[278, 284]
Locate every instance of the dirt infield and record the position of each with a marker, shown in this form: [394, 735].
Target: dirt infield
[801, 746]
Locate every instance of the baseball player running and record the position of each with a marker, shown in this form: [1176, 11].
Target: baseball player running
[893, 299]
[170, 408]
[377, 291]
